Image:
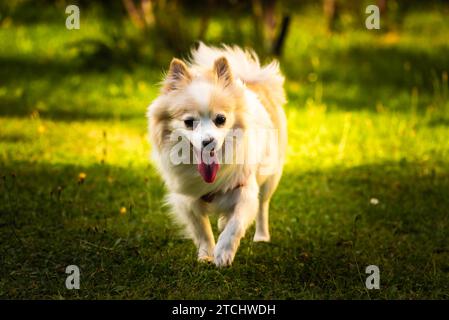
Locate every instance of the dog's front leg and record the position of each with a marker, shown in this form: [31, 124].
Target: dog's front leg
[204, 237]
[192, 215]
[244, 213]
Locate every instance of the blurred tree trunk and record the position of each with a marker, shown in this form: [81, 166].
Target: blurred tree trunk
[386, 22]
[147, 10]
[382, 4]
[134, 14]
[269, 34]
[279, 43]
[332, 13]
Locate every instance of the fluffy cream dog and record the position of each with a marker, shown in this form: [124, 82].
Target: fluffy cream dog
[219, 136]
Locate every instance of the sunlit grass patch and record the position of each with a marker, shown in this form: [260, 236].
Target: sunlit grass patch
[78, 143]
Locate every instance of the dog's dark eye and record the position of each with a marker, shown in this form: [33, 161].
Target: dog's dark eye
[220, 120]
[189, 123]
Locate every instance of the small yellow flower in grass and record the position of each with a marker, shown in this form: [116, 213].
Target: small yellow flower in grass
[374, 201]
[391, 38]
[41, 129]
[122, 211]
[81, 177]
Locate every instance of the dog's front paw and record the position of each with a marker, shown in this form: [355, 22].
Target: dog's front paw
[205, 259]
[223, 256]
[206, 252]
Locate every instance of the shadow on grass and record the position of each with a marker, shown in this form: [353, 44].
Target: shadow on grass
[14, 138]
[325, 230]
[439, 121]
[80, 111]
[362, 77]
[392, 66]
[64, 91]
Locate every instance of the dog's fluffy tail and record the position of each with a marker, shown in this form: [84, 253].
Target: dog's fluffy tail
[244, 64]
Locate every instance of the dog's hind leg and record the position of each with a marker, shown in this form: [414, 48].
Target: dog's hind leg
[262, 231]
[266, 192]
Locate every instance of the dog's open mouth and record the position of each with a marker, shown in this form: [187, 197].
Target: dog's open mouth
[208, 165]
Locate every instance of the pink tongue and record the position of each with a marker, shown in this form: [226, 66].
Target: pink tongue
[209, 171]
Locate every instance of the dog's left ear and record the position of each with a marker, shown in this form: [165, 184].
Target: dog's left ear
[223, 71]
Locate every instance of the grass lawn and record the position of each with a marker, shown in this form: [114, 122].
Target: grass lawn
[366, 181]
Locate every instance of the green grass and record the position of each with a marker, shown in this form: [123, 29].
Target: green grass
[368, 119]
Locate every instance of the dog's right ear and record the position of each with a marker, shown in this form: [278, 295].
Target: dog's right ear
[178, 76]
[158, 116]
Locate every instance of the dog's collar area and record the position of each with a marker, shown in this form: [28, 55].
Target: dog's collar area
[209, 197]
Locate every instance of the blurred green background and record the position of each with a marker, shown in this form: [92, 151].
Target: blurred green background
[367, 176]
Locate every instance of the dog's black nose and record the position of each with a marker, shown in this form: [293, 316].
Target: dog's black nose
[206, 142]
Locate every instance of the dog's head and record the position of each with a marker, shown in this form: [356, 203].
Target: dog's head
[202, 106]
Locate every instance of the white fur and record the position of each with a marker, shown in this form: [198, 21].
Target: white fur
[245, 65]
[238, 206]
[200, 92]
